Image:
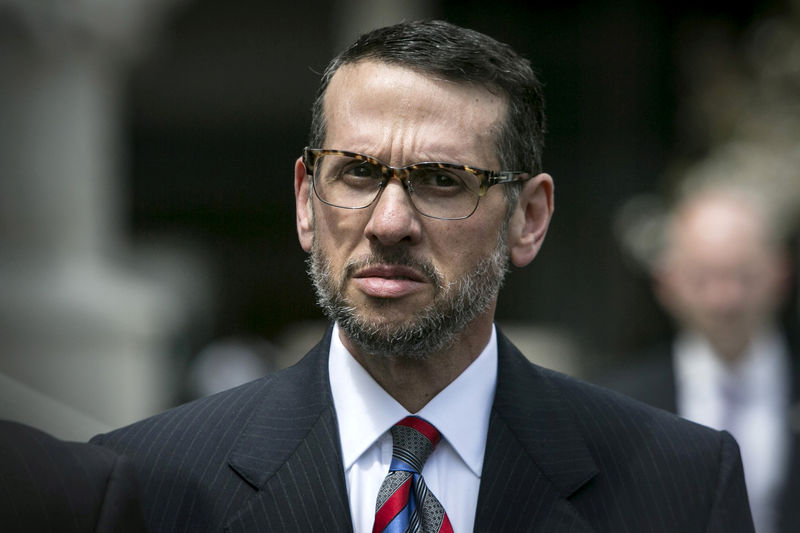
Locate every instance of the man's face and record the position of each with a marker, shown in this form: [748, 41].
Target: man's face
[400, 282]
[722, 279]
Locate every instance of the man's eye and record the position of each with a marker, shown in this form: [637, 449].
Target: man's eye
[443, 180]
[360, 170]
[439, 179]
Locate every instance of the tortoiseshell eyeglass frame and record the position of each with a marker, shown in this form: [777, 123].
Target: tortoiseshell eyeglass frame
[487, 178]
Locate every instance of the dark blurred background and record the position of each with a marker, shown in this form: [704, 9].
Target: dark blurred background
[219, 112]
[213, 110]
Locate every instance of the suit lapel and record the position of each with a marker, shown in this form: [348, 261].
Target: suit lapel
[290, 453]
[535, 459]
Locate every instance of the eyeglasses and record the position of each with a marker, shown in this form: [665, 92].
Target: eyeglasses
[437, 190]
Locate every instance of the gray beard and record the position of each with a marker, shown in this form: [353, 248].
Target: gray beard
[431, 330]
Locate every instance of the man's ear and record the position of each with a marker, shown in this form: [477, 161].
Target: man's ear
[302, 190]
[529, 222]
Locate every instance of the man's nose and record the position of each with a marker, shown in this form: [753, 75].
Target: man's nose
[393, 218]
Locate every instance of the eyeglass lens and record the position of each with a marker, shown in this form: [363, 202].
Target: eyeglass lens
[436, 191]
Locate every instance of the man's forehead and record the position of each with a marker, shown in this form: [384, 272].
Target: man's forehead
[370, 102]
[406, 77]
[720, 218]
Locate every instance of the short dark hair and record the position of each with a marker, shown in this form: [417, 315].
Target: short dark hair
[462, 55]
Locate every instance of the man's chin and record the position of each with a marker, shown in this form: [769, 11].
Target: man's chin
[406, 337]
[408, 304]
[387, 325]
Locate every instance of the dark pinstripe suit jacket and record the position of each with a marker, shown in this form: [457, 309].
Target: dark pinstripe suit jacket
[652, 380]
[51, 485]
[562, 456]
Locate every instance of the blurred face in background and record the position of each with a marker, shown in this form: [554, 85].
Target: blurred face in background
[721, 276]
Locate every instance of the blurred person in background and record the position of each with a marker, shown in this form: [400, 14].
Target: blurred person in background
[723, 273]
[415, 411]
[51, 485]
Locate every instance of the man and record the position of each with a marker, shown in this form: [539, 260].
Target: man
[409, 241]
[723, 275]
[51, 485]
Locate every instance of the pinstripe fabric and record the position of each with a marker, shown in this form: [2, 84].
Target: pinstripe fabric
[572, 457]
[51, 485]
[653, 381]
[562, 456]
[261, 457]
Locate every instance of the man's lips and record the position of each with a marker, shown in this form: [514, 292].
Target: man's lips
[391, 272]
[389, 281]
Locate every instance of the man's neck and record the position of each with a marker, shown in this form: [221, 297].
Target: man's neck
[733, 350]
[414, 382]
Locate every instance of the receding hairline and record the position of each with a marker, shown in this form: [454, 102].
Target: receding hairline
[499, 97]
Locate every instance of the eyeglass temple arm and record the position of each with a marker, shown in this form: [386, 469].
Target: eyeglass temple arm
[508, 176]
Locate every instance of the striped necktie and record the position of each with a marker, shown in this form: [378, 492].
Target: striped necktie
[404, 502]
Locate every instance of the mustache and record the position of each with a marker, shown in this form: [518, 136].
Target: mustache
[397, 257]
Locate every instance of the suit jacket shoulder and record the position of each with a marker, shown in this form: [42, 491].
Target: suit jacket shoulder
[651, 378]
[262, 456]
[561, 456]
[600, 461]
[52, 485]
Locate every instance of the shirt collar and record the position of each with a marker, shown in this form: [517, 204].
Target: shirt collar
[460, 412]
[760, 372]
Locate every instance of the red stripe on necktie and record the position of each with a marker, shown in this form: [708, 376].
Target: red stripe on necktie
[396, 502]
[446, 527]
[423, 426]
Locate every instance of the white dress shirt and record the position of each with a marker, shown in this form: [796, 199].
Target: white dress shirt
[759, 421]
[365, 413]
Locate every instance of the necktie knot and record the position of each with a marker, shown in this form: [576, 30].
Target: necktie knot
[413, 439]
[404, 502]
